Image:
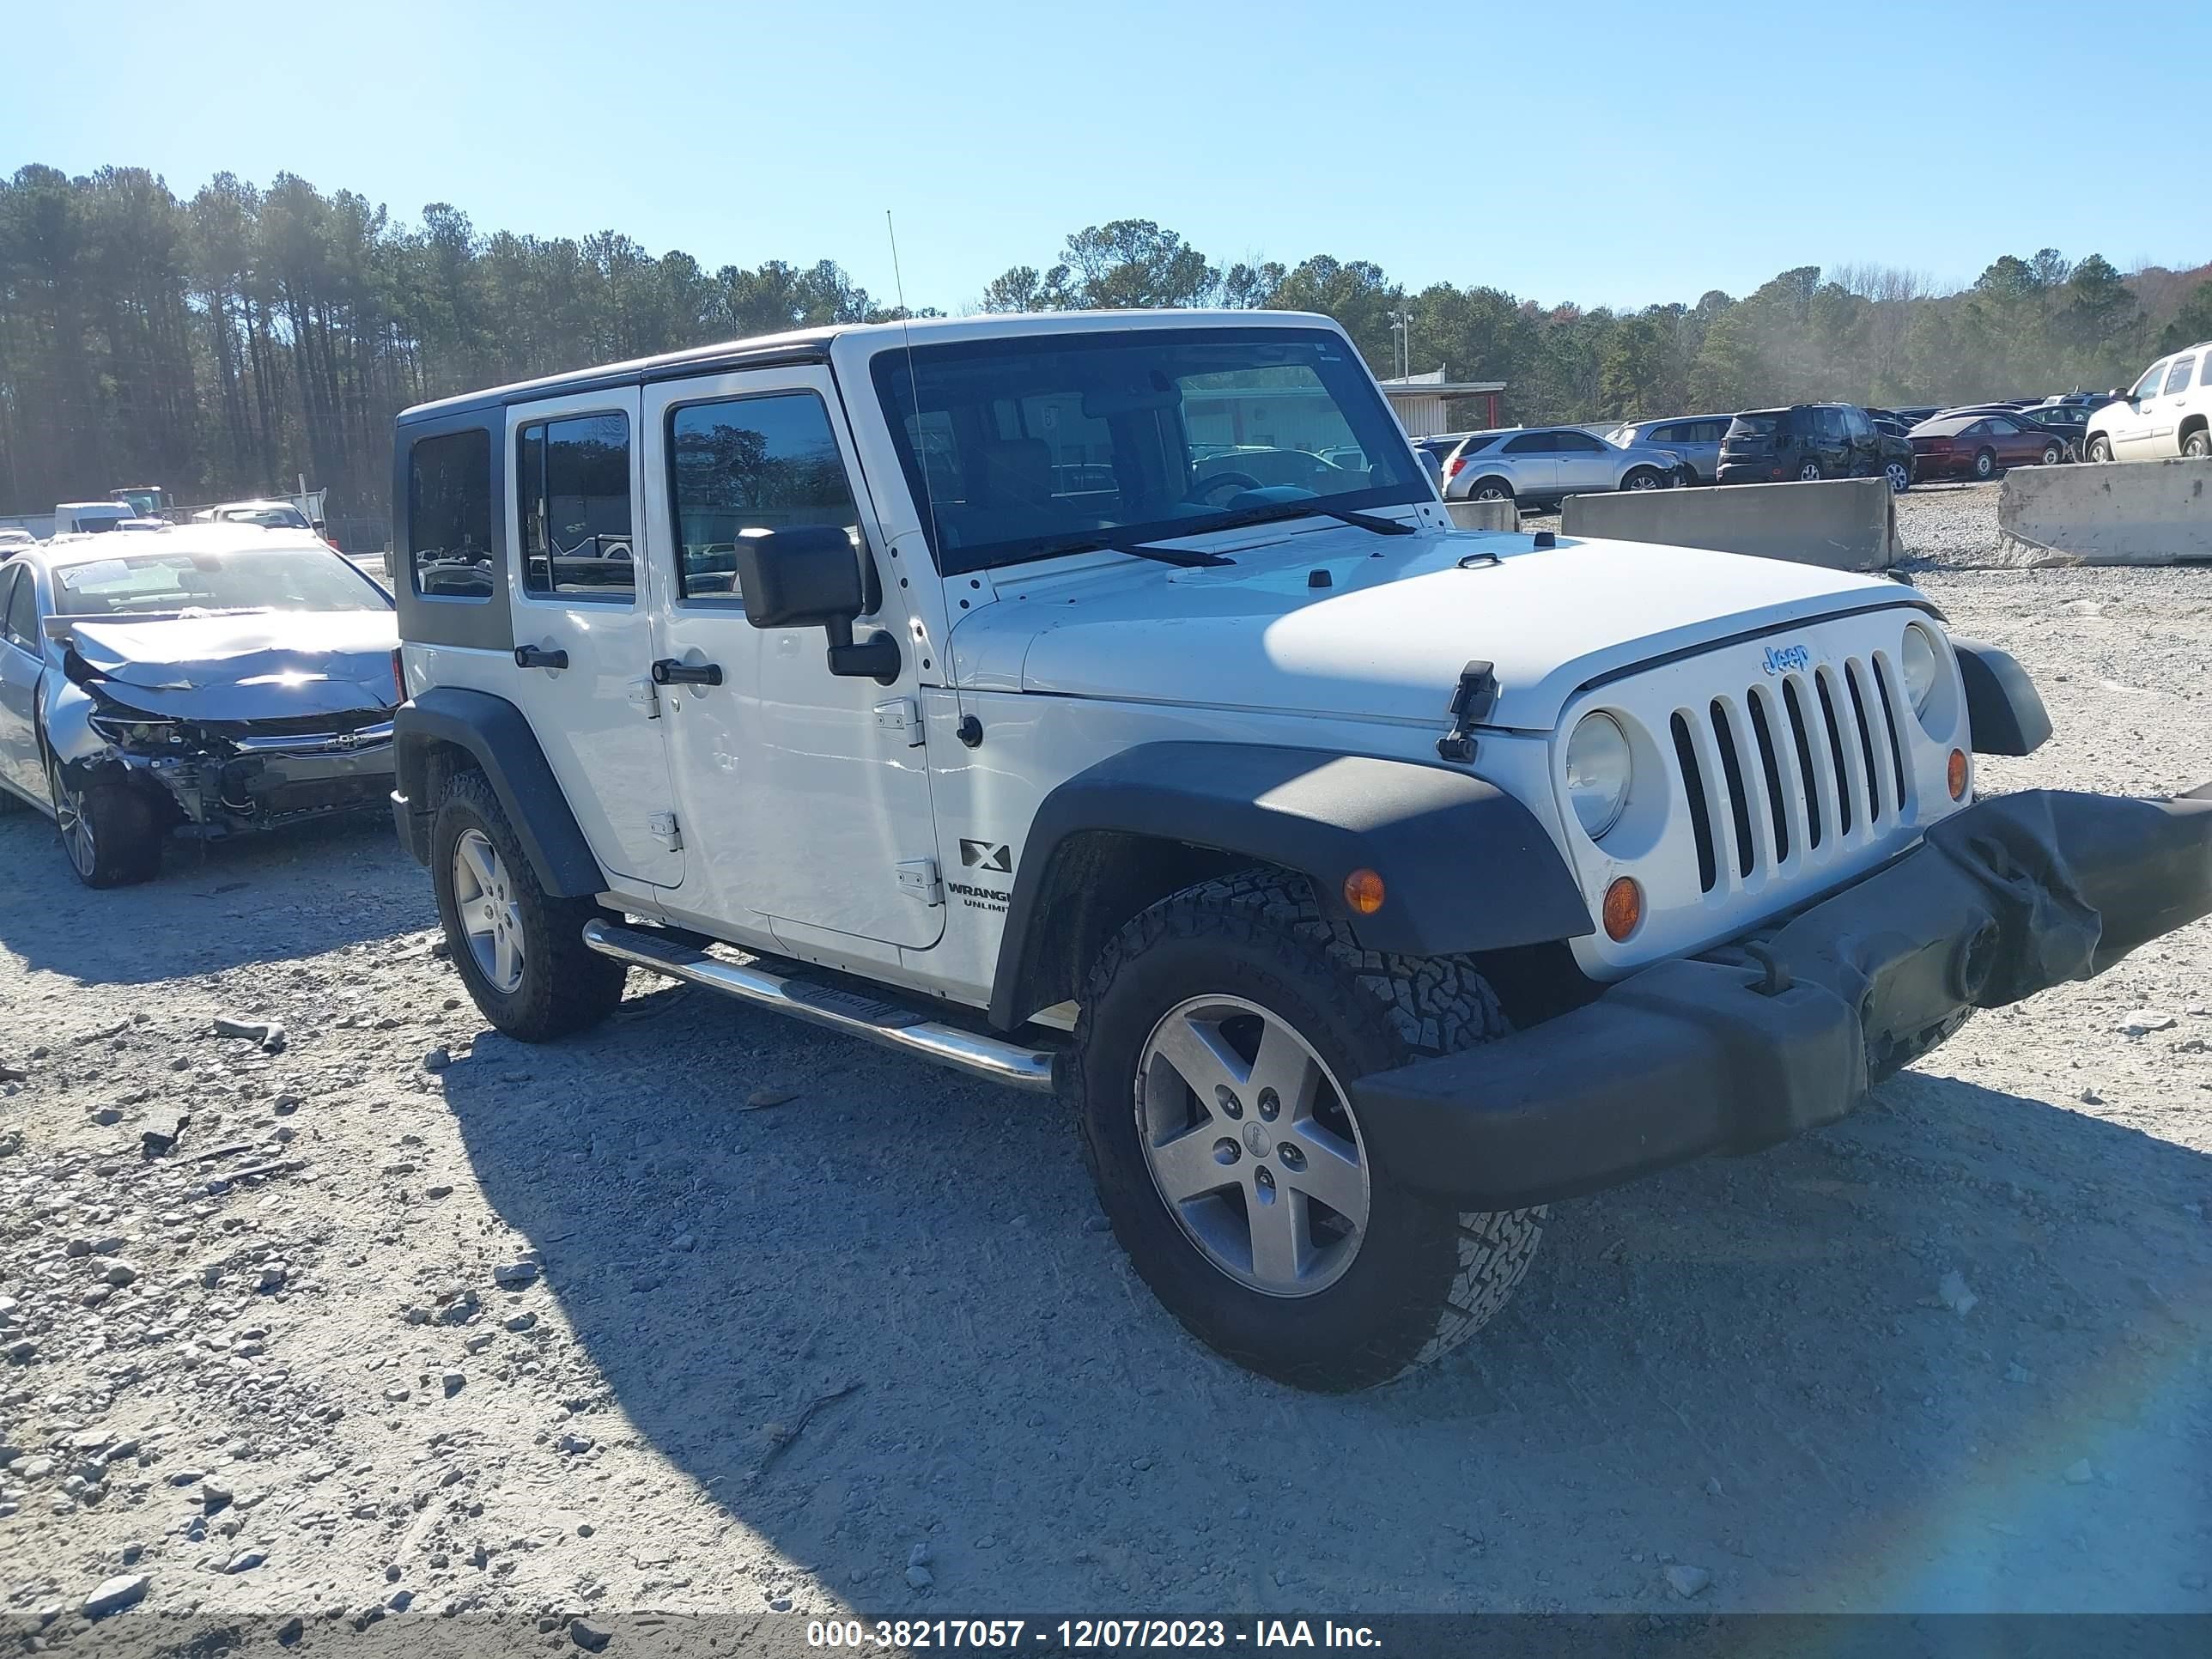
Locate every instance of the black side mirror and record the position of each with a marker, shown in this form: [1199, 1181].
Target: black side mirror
[808, 577]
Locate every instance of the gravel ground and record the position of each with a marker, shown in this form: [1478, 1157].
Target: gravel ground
[705, 1311]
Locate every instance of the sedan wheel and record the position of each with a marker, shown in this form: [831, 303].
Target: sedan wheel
[73, 821]
[1985, 464]
[1252, 1144]
[2052, 454]
[483, 894]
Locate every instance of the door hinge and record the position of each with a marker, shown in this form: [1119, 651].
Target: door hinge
[643, 693]
[900, 721]
[663, 826]
[918, 880]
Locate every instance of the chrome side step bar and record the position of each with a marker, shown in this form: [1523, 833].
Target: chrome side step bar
[1019, 1064]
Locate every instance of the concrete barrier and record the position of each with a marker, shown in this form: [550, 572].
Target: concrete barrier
[2121, 512]
[1484, 515]
[1844, 523]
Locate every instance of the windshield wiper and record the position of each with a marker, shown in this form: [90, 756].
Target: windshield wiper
[1274, 511]
[1106, 541]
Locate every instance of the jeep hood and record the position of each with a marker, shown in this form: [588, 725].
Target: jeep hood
[1398, 619]
[261, 665]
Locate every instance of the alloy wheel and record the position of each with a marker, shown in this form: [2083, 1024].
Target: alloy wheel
[72, 820]
[2051, 456]
[1809, 473]
[483, 898]
[1252, 1144]
[1900, 475]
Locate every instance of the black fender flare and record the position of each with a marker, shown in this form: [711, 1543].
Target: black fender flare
[1465, 866]
[2004, 712]
[497, 735]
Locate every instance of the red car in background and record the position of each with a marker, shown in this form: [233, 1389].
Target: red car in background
[1981, 445]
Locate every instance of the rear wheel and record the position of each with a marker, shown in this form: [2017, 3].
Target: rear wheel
[2197, 445]
[1218, 1032]
[2100, 449]
[1490, 489]
[107, 830]
[1986, 463]
[519, 949]
[1808, 471]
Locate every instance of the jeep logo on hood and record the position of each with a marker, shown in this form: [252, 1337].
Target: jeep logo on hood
[1787, 659]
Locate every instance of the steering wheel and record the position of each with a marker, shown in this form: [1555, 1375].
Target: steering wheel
[1205, 492]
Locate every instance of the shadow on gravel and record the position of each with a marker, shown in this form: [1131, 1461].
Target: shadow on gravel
[291, 893]
[1759, 1369]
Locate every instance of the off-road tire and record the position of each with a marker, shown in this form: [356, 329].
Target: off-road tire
[1426, 1276]
[126, 840]
[565, 984]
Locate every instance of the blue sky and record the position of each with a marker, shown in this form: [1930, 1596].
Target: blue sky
[1609, 154]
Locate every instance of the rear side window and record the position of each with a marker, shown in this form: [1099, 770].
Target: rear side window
[765, 463]
[2177, 378]
[449, 516]
[572, 484]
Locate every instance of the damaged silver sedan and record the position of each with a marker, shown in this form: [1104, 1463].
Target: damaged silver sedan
[203, 682]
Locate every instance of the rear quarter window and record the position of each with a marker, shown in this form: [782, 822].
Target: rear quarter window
[449, 516]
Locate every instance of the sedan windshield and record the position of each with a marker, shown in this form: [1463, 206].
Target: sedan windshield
[1020, 447]
[163, 583]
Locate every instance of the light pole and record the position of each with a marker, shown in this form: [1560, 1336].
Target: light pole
[1402, 325]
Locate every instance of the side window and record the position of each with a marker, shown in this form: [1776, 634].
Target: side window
[19, 604]
[1577, 443]
[449, 516]
[1532, 443]
[2147, 386]
[764, 463]
[572, 485]
[1979, 429]
[1856, 420]
[1830, 422]
[2177, 379]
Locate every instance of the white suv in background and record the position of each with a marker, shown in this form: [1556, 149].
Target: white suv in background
[2168, 413]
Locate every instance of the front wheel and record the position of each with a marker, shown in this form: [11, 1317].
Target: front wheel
[1644, 478]
[1218, 1032]
[519, 949]
[1899, 474]
[107, 829]
[2100, 449]
[2052, 454]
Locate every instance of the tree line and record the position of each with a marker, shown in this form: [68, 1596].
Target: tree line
[224, 344]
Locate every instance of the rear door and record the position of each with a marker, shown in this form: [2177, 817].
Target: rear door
[1533, 460]
[579, 589]
[21, 659]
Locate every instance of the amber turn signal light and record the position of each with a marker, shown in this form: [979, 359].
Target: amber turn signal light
[1623, 907]
[1957, 775]
[1363, 892]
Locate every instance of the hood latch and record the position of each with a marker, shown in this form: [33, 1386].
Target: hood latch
[1470, 705]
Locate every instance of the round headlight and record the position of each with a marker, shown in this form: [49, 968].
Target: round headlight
[1916, 662]
[1597, 773]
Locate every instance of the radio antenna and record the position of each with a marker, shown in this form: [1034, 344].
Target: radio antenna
[913, 385]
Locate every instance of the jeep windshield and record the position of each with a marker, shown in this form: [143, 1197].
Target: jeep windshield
[1029, 446]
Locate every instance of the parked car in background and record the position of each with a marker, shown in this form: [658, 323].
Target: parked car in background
[207, 681]
[1981, 445]
[90, 518]
[13, 536]
[1546, 464]
[1231, 471]
[1807, 442]
[2071, 419]
[2167, 412]
[269, 515]
[146, 500]
[1913, 417]
[1695, 438]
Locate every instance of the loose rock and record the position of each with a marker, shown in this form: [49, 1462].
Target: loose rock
[1688, 1581]
[124, 1591]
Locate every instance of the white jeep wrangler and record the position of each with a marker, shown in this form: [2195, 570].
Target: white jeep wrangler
[980, 689]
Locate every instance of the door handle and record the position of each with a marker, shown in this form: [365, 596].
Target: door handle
[529, 656]
[669, 671]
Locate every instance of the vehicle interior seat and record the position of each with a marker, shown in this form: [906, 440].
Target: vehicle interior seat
[1010, 494]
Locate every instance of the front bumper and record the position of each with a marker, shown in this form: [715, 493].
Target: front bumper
[267, 788]
[1745, 1048]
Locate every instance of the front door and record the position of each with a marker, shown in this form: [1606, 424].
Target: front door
[2131, 421]
[804, 796]
[1585, 464]
[580, 590]
[22, 660]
